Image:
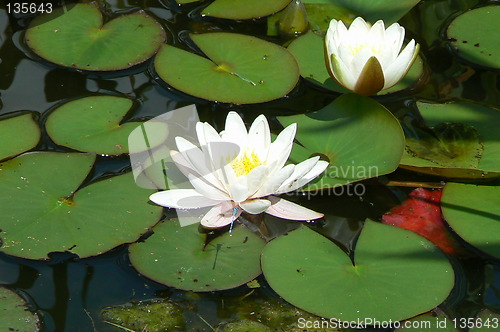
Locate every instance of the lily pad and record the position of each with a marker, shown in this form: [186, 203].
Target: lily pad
[238, 69]
[44, 210]
[94, 124]
[395, 275]
[360, 138]
[389, 11]
[18, 134]
[244, 9]
[478, 45]
[14, 313]
[486, 320]
[177, 256]
[462, 141]
[309, 52]
[474, 214]
[79, 38]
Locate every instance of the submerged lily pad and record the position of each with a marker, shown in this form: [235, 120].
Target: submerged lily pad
[244, 9]
[395, 275]
[44, 210]
[93, 124]
[177, 256]
[309, 52]
[78, 38]
[462, 141]
[18, 134]
[14, 313]
[477, 45]
[151, 316]
[474, 214]
[238, 69]
[360, 138]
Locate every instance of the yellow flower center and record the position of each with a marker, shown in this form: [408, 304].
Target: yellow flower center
[244, 164]
[355, 49]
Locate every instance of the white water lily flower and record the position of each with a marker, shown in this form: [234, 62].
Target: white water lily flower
[365, 58]
[237, 171]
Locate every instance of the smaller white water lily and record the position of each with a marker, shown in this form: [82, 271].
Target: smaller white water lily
[367, 59]
[237, 171]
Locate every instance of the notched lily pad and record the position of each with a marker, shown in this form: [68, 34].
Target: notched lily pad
[94, 124]
[80, 39]
[395, 275]
[238, 69]
[359, 137]
[18, 133]
[152, 316]
[448, 145]
[14, 313]
[244, 9]
[177, 256]
[309, 52]
[478, 45]
[473, 212]
[44, 209]
[461, 140]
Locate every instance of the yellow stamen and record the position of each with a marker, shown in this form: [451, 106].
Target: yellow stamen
[244, 164]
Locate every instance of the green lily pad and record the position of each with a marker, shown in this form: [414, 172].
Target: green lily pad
[389, 11]
[93, 124]
[318, 14]
[14, 313]
[474, 214]
[309, 52]
[396, 274]
[486, 320]
[183, 2]
[18, 134]
[463, 141]
[478, 45]
[79, 39]
[360, 137]
[238, 69]
[177, 256]
[151, 316]
[244, 9]
[44, 210]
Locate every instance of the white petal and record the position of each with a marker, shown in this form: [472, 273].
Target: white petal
[220, 215]
[287, 210]
[238, 192]
[235, 130]
[377, 33]
[193, 155]
[208, 189]
[181, 199]
[299, 171]
[182, 164]
[343, 72]
[280, 149]
[308, 177]
[275, 181]
[256, 178]
[259, 136]
[255, 206]
[394, 37]
[398, 69]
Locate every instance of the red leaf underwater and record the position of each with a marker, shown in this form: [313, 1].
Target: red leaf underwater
[421, 214]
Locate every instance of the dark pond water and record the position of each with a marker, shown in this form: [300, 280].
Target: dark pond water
[69, 293]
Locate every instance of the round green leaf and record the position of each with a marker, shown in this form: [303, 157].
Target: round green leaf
[396, 274]
[244, 9]
[471, 36]
[93, 124]
[18, 134]
[43, 209]
[389, 11]
[360, 137]
[309, 52]
[238, 69]
[177, 256]
[474, 213]
[14, 313]
[79, 39]
[470, 150]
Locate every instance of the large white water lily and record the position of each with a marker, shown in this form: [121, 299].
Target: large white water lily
[237, 171]
[367, 59]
